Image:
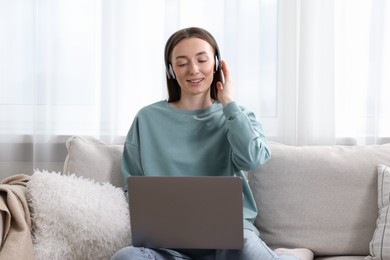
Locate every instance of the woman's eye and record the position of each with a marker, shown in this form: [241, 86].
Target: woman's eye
[181, 64]
[203, 61]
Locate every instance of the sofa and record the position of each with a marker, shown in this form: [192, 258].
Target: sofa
[331, 199]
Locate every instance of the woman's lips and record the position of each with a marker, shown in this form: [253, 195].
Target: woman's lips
[195, 82]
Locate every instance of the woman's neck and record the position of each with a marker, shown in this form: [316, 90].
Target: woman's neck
[193, 103]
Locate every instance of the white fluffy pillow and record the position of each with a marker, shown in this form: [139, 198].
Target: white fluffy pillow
[76, 218]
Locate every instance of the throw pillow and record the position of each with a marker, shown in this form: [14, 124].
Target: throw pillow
[380, 243]
[76, 218]
[94, 159]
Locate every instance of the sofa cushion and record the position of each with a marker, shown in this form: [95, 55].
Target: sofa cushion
[380, 244]
[76, 218]
[320, 197]
[93, 159]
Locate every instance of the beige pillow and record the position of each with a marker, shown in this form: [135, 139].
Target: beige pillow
[380, 244]
[93, 159]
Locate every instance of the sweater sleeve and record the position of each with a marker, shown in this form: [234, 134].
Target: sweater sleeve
[246, 136]
[131, 159]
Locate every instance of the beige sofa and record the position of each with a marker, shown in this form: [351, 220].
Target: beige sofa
[321, 197]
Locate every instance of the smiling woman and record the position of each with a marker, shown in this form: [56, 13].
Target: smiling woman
[202, 133]
[194, 71]
[200, 65]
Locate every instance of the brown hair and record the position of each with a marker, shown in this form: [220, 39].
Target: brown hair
[174, 92]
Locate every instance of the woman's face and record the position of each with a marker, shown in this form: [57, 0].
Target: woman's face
[193, 64]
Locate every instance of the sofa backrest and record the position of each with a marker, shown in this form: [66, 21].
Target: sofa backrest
[320, 197]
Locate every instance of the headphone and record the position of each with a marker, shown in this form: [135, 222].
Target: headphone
[218, 65]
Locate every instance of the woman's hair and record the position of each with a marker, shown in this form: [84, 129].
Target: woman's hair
[174, 92]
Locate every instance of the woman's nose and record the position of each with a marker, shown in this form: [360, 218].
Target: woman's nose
[194, 69]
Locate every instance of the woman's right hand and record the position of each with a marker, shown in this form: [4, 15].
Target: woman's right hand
[225, 88]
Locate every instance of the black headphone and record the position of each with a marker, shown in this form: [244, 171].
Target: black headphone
[218, 65]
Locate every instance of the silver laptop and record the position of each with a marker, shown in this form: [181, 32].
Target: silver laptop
[186, 212]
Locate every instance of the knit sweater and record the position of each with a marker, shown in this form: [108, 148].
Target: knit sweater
[217, 141]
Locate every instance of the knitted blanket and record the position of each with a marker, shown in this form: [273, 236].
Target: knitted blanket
[16, 240]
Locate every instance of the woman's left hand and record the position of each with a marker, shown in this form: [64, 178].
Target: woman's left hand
[225, 88]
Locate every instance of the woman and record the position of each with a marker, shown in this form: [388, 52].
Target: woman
[200, 130]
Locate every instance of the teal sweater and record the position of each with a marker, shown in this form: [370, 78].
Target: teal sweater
[220, 141]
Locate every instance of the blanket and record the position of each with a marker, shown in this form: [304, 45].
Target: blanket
[17, 241]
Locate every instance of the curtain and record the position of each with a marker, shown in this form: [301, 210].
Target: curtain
[333, 80]
[313, 71]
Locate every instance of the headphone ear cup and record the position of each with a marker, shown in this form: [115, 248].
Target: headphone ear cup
[216, 63]
[171, 74]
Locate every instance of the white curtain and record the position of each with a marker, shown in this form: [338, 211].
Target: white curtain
[333, 72]
[313, 71]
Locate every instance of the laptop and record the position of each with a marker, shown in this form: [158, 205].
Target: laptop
[186, 212]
